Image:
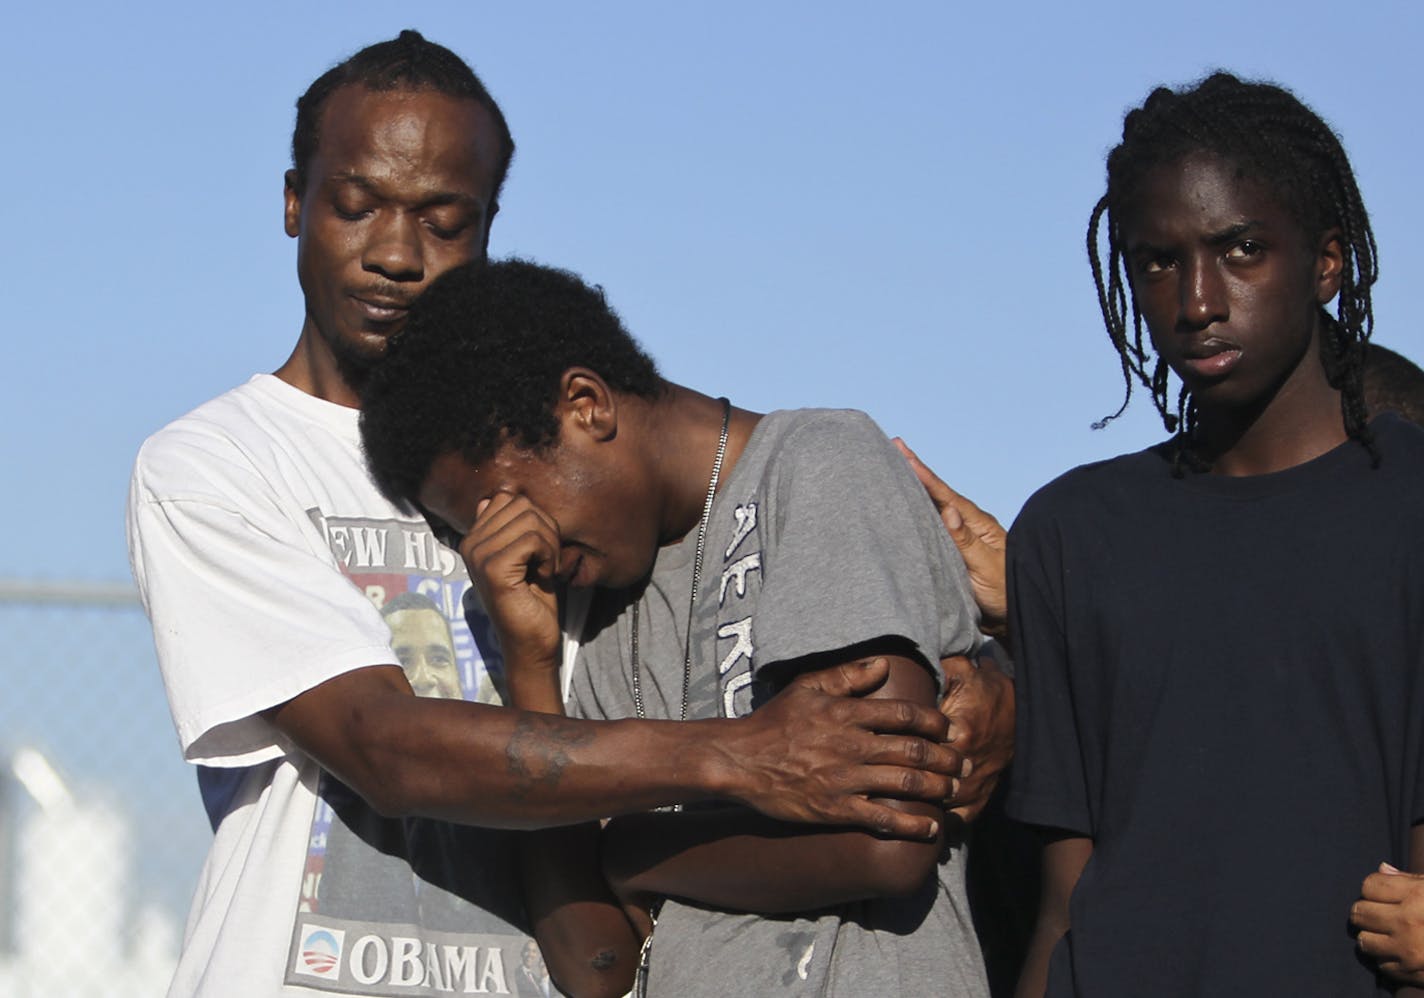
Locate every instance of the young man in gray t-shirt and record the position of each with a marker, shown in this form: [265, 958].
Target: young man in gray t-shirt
[729, 551]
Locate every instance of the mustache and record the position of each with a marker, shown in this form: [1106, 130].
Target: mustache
[385, 295]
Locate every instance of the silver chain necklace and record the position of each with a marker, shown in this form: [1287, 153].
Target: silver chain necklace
[696, 580]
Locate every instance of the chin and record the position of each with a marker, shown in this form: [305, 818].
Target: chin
[623, 579]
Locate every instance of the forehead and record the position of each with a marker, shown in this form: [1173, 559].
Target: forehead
[1200, 194]
[408, 137]
[418, 622]
[454, 487]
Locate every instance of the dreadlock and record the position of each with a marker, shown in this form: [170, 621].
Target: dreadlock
[1274, 139]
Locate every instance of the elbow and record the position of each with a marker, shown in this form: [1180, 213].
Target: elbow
[591, 967]
[383, 789]
[600, 976]
[898, 868]
[379, 767]
[386, 799]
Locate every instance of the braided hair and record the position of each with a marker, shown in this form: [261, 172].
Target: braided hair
[1274, 139]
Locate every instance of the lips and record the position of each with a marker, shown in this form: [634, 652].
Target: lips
[1211, 358]
[381, 309]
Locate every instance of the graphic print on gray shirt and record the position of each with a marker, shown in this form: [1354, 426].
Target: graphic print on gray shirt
[820, 539]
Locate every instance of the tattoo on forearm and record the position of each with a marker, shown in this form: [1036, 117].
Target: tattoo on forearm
[538, 752]
[604, 959]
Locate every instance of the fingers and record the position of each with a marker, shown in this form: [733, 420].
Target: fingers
[884, 820]
[1390, 956]
[511, 541]
[957, 668]
[1390, 888]
[1378, 946]
[852, 680]
[894, 756]
[848, 679]
[979, 525]
[985, 525]
[1374, 916]
[900, 782]
[940, 494]
[896, 717]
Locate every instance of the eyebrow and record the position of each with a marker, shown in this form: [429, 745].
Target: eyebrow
[1219, 238]
[1232, 232]
[434, 200]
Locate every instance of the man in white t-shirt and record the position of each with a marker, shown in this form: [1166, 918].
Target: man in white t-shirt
[357, 848]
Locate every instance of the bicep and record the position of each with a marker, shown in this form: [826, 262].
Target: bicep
[855, 552]
[737, 859]
[902, 862]
[246, 613]
[1065, 854]
[1064, 857]
[347, 723]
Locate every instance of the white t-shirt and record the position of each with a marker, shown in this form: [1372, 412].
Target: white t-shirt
[264, 553]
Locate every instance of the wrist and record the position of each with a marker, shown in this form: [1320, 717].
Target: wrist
[535, 686]
[716, 774]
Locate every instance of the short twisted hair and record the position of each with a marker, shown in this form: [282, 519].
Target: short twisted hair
[406, 62]
[479, 364]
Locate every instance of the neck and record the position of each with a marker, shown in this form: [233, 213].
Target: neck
[1296, 424]
[684, 428]
[314, 369]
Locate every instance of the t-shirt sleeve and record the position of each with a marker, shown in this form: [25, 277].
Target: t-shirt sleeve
[246, 611]
[1047, 783]
[854, 551]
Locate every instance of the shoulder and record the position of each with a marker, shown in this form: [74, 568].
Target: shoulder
[1401, 441]
[823, 441]
[1091, 490]
[215, 427]
[222, 448]
[823, 427]
[835, 457]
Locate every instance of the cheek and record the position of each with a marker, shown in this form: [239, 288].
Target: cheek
[1156, 302]
[442, 256]
[327, 247]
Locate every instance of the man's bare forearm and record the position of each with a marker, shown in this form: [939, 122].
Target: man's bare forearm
[738, 860]
[503, 768]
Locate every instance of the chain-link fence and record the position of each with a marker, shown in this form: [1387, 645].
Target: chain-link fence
[102, 832]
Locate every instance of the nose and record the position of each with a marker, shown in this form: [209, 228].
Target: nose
[395, 250]
[418, 670]
[1203, 295]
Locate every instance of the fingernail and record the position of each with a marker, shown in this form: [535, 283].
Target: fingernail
[1387, 868]
[484, 504]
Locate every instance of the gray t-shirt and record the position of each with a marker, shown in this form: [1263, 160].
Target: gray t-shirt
[820, 539]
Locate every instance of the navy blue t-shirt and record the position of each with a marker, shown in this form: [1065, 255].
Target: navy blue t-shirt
[1220, 682]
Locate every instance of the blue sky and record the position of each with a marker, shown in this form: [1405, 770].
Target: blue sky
[792, 204]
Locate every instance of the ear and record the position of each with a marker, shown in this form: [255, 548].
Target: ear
[489, 224]
[1329, 265]
[587, 405]
[292, 205]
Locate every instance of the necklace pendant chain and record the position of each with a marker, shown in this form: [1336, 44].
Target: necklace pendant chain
[696, 581]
